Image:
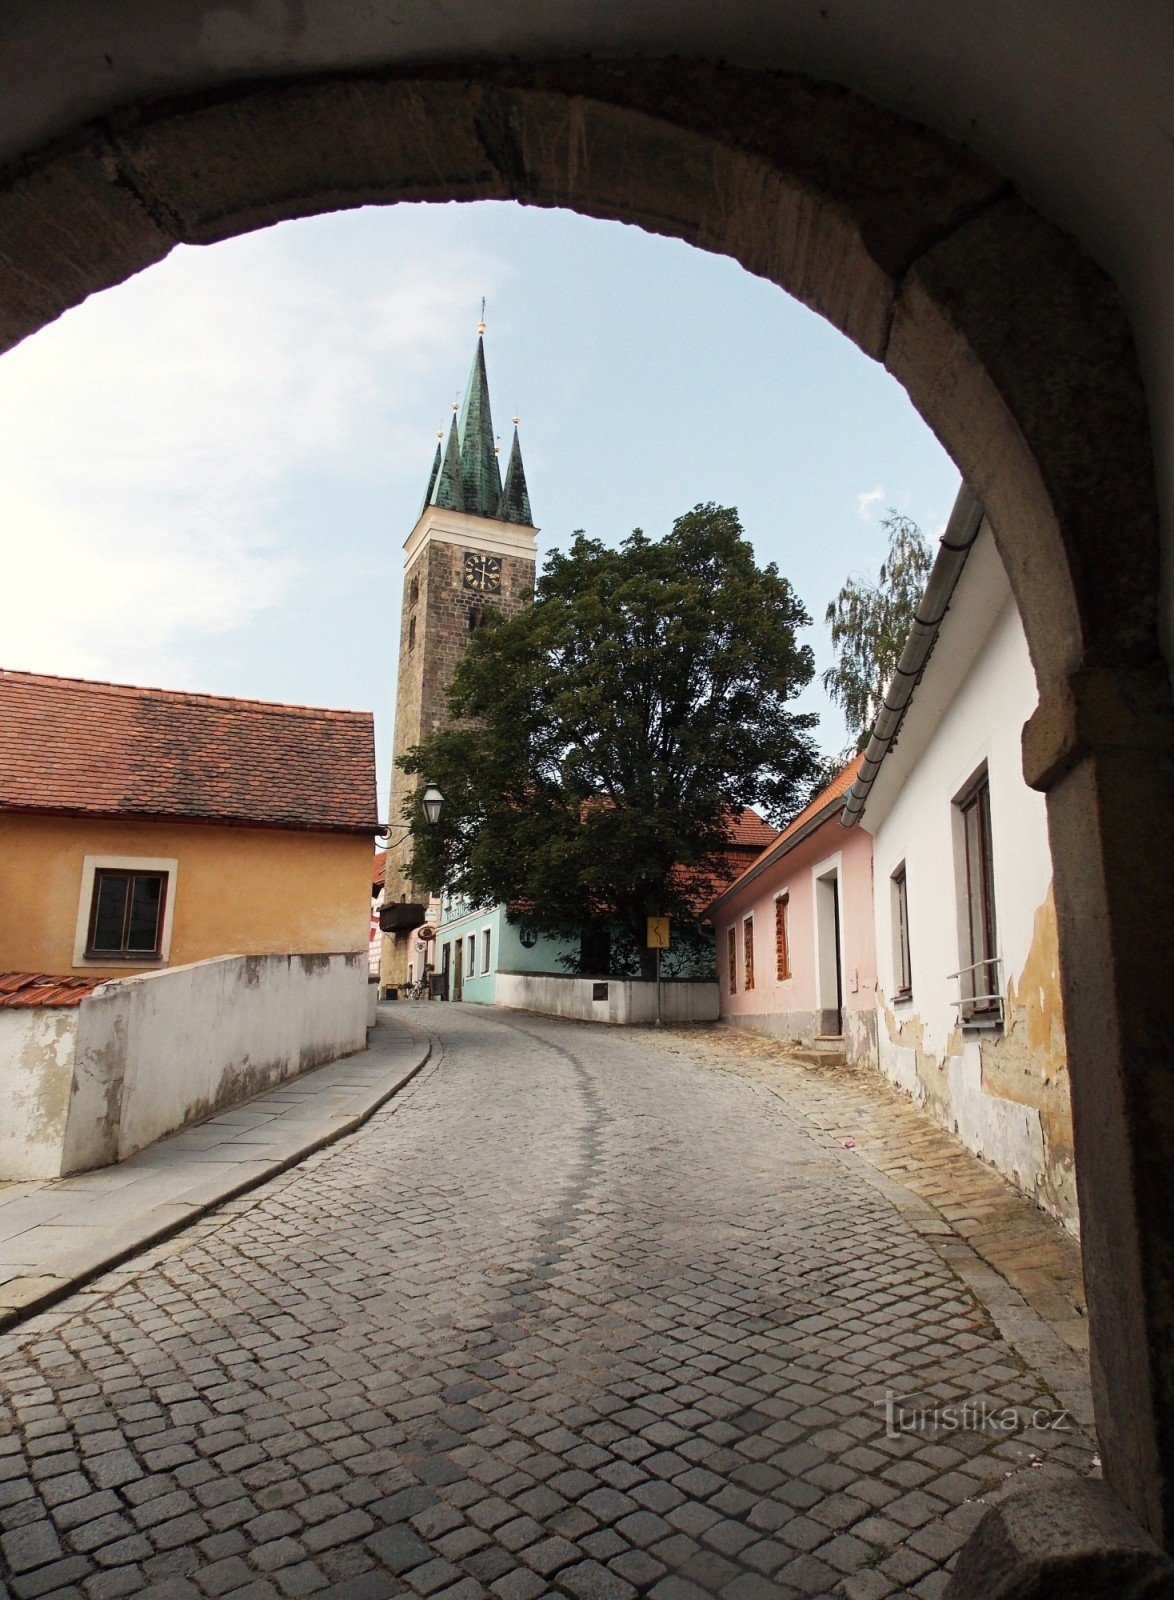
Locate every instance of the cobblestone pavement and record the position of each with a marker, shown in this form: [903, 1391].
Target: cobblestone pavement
[575, 1315]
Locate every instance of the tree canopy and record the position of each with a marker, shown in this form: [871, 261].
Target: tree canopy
[601, 740]
[870, 622]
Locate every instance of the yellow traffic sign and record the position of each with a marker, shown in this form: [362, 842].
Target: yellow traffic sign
[658, 933]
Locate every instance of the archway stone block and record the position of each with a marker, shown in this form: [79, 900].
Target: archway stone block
[69, 227]
[1028, 334]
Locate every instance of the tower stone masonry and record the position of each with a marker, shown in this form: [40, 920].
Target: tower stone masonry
[473, 547]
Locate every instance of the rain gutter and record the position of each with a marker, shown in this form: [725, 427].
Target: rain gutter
[957, 542]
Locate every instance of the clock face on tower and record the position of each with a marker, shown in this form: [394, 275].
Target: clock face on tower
[482, 573]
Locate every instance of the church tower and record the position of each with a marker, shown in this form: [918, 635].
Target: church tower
[473, 545]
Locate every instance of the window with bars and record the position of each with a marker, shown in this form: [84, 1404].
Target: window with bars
[748, 952]
[782, 938]
[732, 959]
[485, 946]
[471, 954]
[902, 966]
[126, 915]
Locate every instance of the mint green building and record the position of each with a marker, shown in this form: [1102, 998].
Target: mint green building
[472, 947]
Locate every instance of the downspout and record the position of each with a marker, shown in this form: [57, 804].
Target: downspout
[961, 532]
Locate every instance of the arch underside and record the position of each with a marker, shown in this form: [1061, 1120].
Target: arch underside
[1012, 345]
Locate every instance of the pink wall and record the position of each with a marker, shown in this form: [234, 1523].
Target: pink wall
[793, 1004]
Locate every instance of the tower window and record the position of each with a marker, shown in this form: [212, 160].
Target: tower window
[412, 634]
[414, 591]
[476, 617]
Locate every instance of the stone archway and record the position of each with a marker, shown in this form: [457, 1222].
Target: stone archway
[1012, 345]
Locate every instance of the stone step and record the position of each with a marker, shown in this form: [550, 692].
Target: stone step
[818, 1056]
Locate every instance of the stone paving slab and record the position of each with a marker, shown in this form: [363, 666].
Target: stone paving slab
[1023, 1265]
[55, 1236]
[578, 1314]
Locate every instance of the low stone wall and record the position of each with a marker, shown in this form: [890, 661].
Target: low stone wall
[36, 1074]
[143, 1056]
[616, 1000]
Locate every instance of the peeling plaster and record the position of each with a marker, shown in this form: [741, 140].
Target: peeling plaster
[1006, 1097]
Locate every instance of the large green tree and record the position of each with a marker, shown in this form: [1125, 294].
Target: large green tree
[600, 741]
[869, 623]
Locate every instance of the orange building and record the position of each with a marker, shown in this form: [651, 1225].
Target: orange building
[146, 828]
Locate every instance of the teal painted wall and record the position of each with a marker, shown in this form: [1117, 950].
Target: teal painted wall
[506, 951]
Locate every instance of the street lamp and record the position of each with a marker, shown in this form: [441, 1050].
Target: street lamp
[432, 800]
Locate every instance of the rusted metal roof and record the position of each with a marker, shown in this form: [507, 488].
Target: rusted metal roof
[75, 747]
[44, 989]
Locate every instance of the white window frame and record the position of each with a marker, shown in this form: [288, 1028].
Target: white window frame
[91, 866]
[825, 869]
[486, 948]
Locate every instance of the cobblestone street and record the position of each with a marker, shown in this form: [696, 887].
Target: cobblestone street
[577, 1313]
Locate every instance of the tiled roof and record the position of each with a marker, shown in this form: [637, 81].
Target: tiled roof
[833, 791]
[44, 989]
[839, 785]
[379, 867]
[749, 830]
[75, 747]
[749, 834]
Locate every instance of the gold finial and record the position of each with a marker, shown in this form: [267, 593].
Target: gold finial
[516, 421]
[456, 405]
[440, 433]
[497, 445]
[481, 324]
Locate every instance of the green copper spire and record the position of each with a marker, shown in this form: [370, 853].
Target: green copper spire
[447, 491]
[432, 476]
[480, 474]
[515, 497]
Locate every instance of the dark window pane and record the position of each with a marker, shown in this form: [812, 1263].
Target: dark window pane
[146, 896]
[109, 910]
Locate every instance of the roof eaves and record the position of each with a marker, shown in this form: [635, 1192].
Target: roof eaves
[962, 530]
[782, 846]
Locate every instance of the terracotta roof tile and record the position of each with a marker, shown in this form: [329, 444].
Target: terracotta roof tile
[76, 747]
[749, 830]
[839, 785]
[835, 790]
[379, 867]
[44, 989]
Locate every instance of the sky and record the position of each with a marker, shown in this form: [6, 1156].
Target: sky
[207, 473]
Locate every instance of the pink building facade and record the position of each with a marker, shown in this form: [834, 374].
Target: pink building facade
[796, 945]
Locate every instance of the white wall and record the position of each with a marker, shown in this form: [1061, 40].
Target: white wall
[629, 1000]
[36, 1070]
[163, 1049]
[1005, 1095]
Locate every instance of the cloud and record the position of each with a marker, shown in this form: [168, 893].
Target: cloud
[151, 440]
[867, 502]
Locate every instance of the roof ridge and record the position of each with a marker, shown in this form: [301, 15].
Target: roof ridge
[138, 691]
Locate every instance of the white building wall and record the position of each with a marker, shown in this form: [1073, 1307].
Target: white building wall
[1004, 1094]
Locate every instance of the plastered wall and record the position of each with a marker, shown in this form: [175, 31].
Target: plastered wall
[238, 891]
[1005, 1094]
[792, 1007]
